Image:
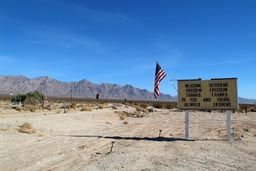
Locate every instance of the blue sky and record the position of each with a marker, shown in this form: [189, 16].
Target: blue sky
[119, 41]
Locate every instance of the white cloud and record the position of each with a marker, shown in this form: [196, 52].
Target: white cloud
[84, 12]
[240, 60]
[50, 35]
[7, 59]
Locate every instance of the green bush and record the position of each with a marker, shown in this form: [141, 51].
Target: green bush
[18, 98]
[29, 98]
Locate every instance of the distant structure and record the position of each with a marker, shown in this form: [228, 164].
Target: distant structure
[44, 100]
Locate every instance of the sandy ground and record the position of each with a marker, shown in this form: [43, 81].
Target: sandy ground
[82, 141]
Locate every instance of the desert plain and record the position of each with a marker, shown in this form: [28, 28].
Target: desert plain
[120, 137]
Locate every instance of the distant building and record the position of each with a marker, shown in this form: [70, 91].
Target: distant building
[44, 100]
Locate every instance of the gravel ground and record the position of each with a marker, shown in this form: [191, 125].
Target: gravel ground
[82, 141]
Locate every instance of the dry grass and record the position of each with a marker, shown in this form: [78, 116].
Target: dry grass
[48, 107]
[27, 128]
[92, 105]
[18, 108]
[141, 109]
[59, 111]
[144, 106]
[122, 115]
[5, 129]
[87, 109]
[25, 109]
[158, 105]
[170, 106]
[140, 114]
[32, 108]
[114, 107]
[79, 105]
[102, 105]
[73, 106]
[41, 134]
[252, 110]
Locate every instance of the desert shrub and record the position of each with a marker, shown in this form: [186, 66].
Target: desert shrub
[34, 97]
[253, 110]
[5, 129]
[125, 122]
[89, 109]
[170, 106]
[143, 105]
[93, 105]
[25, 109]
[18, 108]
[158, 105]
[132, 104]
[241, 110]
[59, 111]
[41, 134]
[32, 108]
[140, 109]
[27, 128]
[48, 107]
[19, 98]
[27, 125]
[101, 106]
[67, 107]
[72, 106]
[29, 98]
[114, 107]
[79, 106]
[122, 115]
[140, 114]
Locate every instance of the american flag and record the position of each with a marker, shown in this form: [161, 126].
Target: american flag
[159, 75]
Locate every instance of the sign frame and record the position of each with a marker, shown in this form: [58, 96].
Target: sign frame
[231, 94]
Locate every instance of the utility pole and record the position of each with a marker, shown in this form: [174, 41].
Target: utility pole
[71, 92]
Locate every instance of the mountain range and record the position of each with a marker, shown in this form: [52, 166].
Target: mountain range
[81, 89]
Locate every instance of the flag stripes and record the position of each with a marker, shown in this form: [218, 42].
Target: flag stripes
[159, 75]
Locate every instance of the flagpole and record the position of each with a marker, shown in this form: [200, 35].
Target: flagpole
[173, 84]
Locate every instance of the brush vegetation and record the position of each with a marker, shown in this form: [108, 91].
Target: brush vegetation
[27, 128]
[87, 109]
[30, 98]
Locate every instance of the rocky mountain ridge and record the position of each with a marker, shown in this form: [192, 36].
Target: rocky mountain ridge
[82, 89]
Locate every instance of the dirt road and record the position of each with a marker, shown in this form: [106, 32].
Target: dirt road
[82, 141]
